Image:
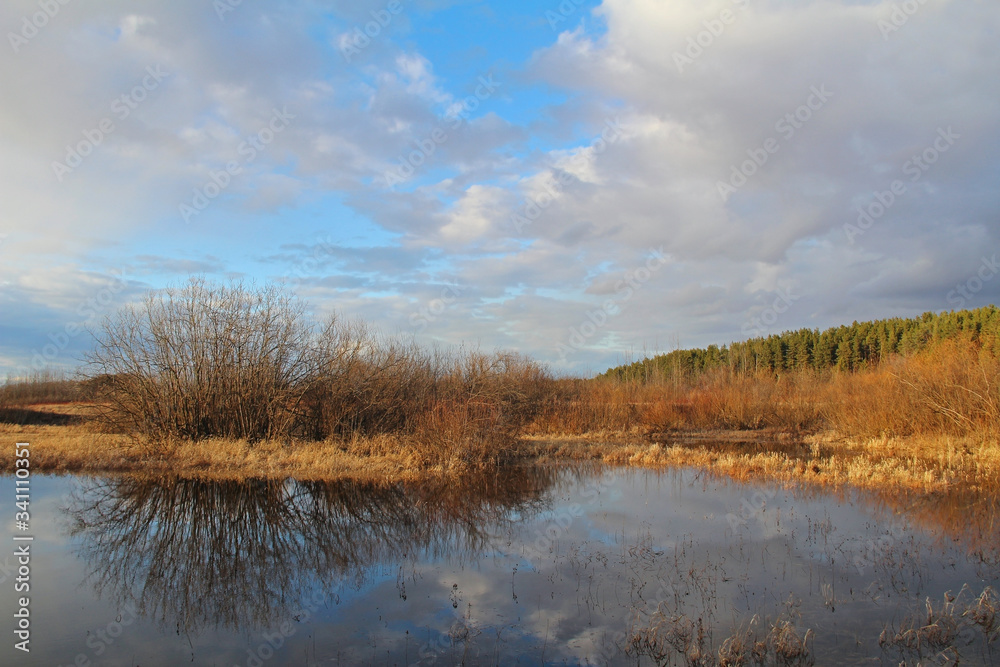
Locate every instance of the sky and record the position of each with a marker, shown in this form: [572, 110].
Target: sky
[584, 182]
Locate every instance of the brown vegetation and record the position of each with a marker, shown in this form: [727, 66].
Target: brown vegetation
[671, 639]
[18, 394]
[238, 363]
[938, 631]
[237, 379]
[952, 389]
[929, 422]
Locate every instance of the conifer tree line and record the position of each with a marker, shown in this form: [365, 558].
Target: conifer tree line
[848, 348]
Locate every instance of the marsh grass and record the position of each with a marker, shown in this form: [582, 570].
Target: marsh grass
[676, 639]
[944, 632]
[928, 422]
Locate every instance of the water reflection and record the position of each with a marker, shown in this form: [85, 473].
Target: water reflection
[197, 553]
[582, 566]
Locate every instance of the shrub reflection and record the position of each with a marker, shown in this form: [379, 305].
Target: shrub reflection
[197, 553]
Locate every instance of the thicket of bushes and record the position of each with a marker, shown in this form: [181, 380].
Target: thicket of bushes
[244, 362]
[949, 388]
[40, 387]
[249, 363]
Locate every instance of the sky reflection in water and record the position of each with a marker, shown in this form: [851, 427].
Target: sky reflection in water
[555, 563]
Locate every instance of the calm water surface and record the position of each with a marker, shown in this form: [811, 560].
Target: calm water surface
[550, 566]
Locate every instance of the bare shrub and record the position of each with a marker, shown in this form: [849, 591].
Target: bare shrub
[245, 363]
[588, 406]
[868, 404]
[364, 383]
[716, 399]
[958, 386]
[481, 404]
[952, 388]
[203, 361]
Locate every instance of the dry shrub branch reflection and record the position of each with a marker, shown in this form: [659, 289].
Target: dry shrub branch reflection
[194, 554]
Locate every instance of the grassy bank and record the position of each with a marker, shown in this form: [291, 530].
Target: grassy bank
[65, 439]
[927, 423]
[71, 438]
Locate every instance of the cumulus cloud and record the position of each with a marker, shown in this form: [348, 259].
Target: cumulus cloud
[757, 144]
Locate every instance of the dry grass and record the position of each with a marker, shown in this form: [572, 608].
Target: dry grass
[716, 400]
[81, 447]
[670, 639]
[938, 631]
[924, 465]
[926, 424]
[921, 464]
[952, 390]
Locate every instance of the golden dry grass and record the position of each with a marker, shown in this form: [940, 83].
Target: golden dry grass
[920, 464]
[80, 447]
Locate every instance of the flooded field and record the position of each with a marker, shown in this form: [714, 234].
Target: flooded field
[560, 565]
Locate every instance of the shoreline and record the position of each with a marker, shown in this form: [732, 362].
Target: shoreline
[922, 465]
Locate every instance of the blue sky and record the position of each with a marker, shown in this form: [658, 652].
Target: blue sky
[584, 183]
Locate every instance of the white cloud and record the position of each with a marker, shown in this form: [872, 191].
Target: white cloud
[683, 130]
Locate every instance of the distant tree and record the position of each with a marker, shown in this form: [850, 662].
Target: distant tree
[845, 348]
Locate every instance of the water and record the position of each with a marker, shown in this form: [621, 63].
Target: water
[552, 565]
